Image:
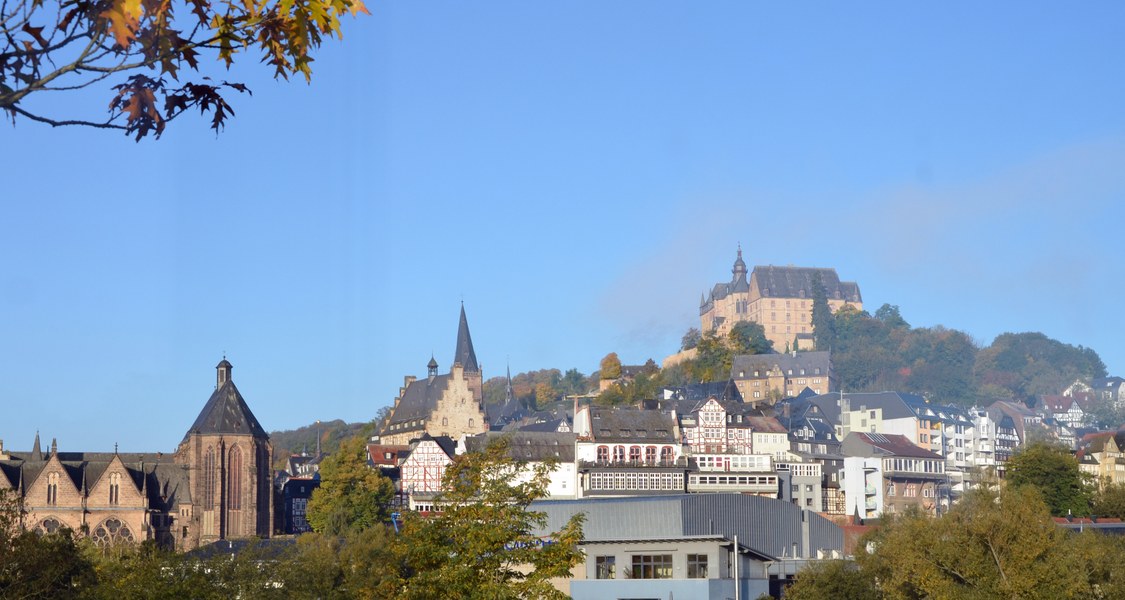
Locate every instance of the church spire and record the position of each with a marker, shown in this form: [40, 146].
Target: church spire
[224, 368]
[509, 394]
[465, 355]
[36, 451]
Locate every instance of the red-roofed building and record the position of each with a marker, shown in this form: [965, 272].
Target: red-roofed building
[887, 473]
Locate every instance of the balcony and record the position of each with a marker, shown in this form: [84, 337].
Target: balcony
[870, 504]
[870, 491]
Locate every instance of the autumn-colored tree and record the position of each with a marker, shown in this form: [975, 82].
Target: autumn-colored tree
[610, 367]
[151, 44]
[352, 496]
[485, 543]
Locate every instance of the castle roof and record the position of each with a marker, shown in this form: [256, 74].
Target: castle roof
[797, 282]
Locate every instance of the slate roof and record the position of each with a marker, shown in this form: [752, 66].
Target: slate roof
[796, 282]
[620, 424]
[464, 353]
[418, 401]
[227, 413]
[859, 443]
[743, 366]
[529, 445]
[893, 404]
[165, 482]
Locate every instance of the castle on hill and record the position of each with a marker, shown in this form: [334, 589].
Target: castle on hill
[778, 298]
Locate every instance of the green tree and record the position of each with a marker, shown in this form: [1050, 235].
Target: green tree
[573, 382]
[1052, 471]
[610, 366]
[1031, 364]
[485, 541]
[150, 45]
[351, 496]
[1109, 501]
[832, 579]
[748, 337]
[986, 546]
[890, 315]
[824, 324]
[690, 339]
[38, 566]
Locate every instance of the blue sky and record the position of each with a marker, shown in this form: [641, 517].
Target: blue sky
[578, 173]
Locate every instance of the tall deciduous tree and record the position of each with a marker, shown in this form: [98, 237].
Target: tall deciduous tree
[748, 337]
[150, 44]
[610, 367]
[351, 496]
[484, 542]
[1053, 472]
[690, 339]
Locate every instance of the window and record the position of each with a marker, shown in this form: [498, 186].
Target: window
[234, 479]
[619, 454]
[650, 455]
[666, 454]
[53, 488]
[606, 567]
[471, 423]
[635, 454]
[444, 421]
[603, 454]
[209, 480]
[697, 566]
[114, 488]
[652, 566]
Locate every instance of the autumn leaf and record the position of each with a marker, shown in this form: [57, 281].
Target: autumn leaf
[35, 32]
[124, 20]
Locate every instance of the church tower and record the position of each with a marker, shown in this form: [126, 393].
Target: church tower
[228, 457]
[466, 356]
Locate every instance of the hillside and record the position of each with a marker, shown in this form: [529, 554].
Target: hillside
[295, 441]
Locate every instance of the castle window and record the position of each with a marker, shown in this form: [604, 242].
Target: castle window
[234, 479]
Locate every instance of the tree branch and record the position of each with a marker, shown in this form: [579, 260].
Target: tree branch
[54, 123]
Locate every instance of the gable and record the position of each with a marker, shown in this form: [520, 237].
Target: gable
[115, 473]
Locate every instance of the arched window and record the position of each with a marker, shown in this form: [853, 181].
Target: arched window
[110, 532]
[619, 454]
[444, 421]
[635, 454]
[603, 453]
[666, 455]
[234, 479]
[209, 480]
[52, 488]
[114, 488]
[471, 422]
[650, 455]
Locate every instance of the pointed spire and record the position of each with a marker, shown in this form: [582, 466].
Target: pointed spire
[36, 452]
[432, 367]
[54, 446]
[739, 269]
[465, 355]
[509, 394]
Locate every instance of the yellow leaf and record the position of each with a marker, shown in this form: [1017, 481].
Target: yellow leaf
[124, 20]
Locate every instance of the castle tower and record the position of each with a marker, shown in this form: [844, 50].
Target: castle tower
[228, 456]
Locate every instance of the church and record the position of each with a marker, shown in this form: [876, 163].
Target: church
[215, 486]
[450, 405]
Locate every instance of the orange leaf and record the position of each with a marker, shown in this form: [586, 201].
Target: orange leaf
[124, 20]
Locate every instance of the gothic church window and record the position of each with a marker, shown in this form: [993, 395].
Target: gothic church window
[53, 488]
[111, 532]
[234, 479]
[114, 488]
[209, 480]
